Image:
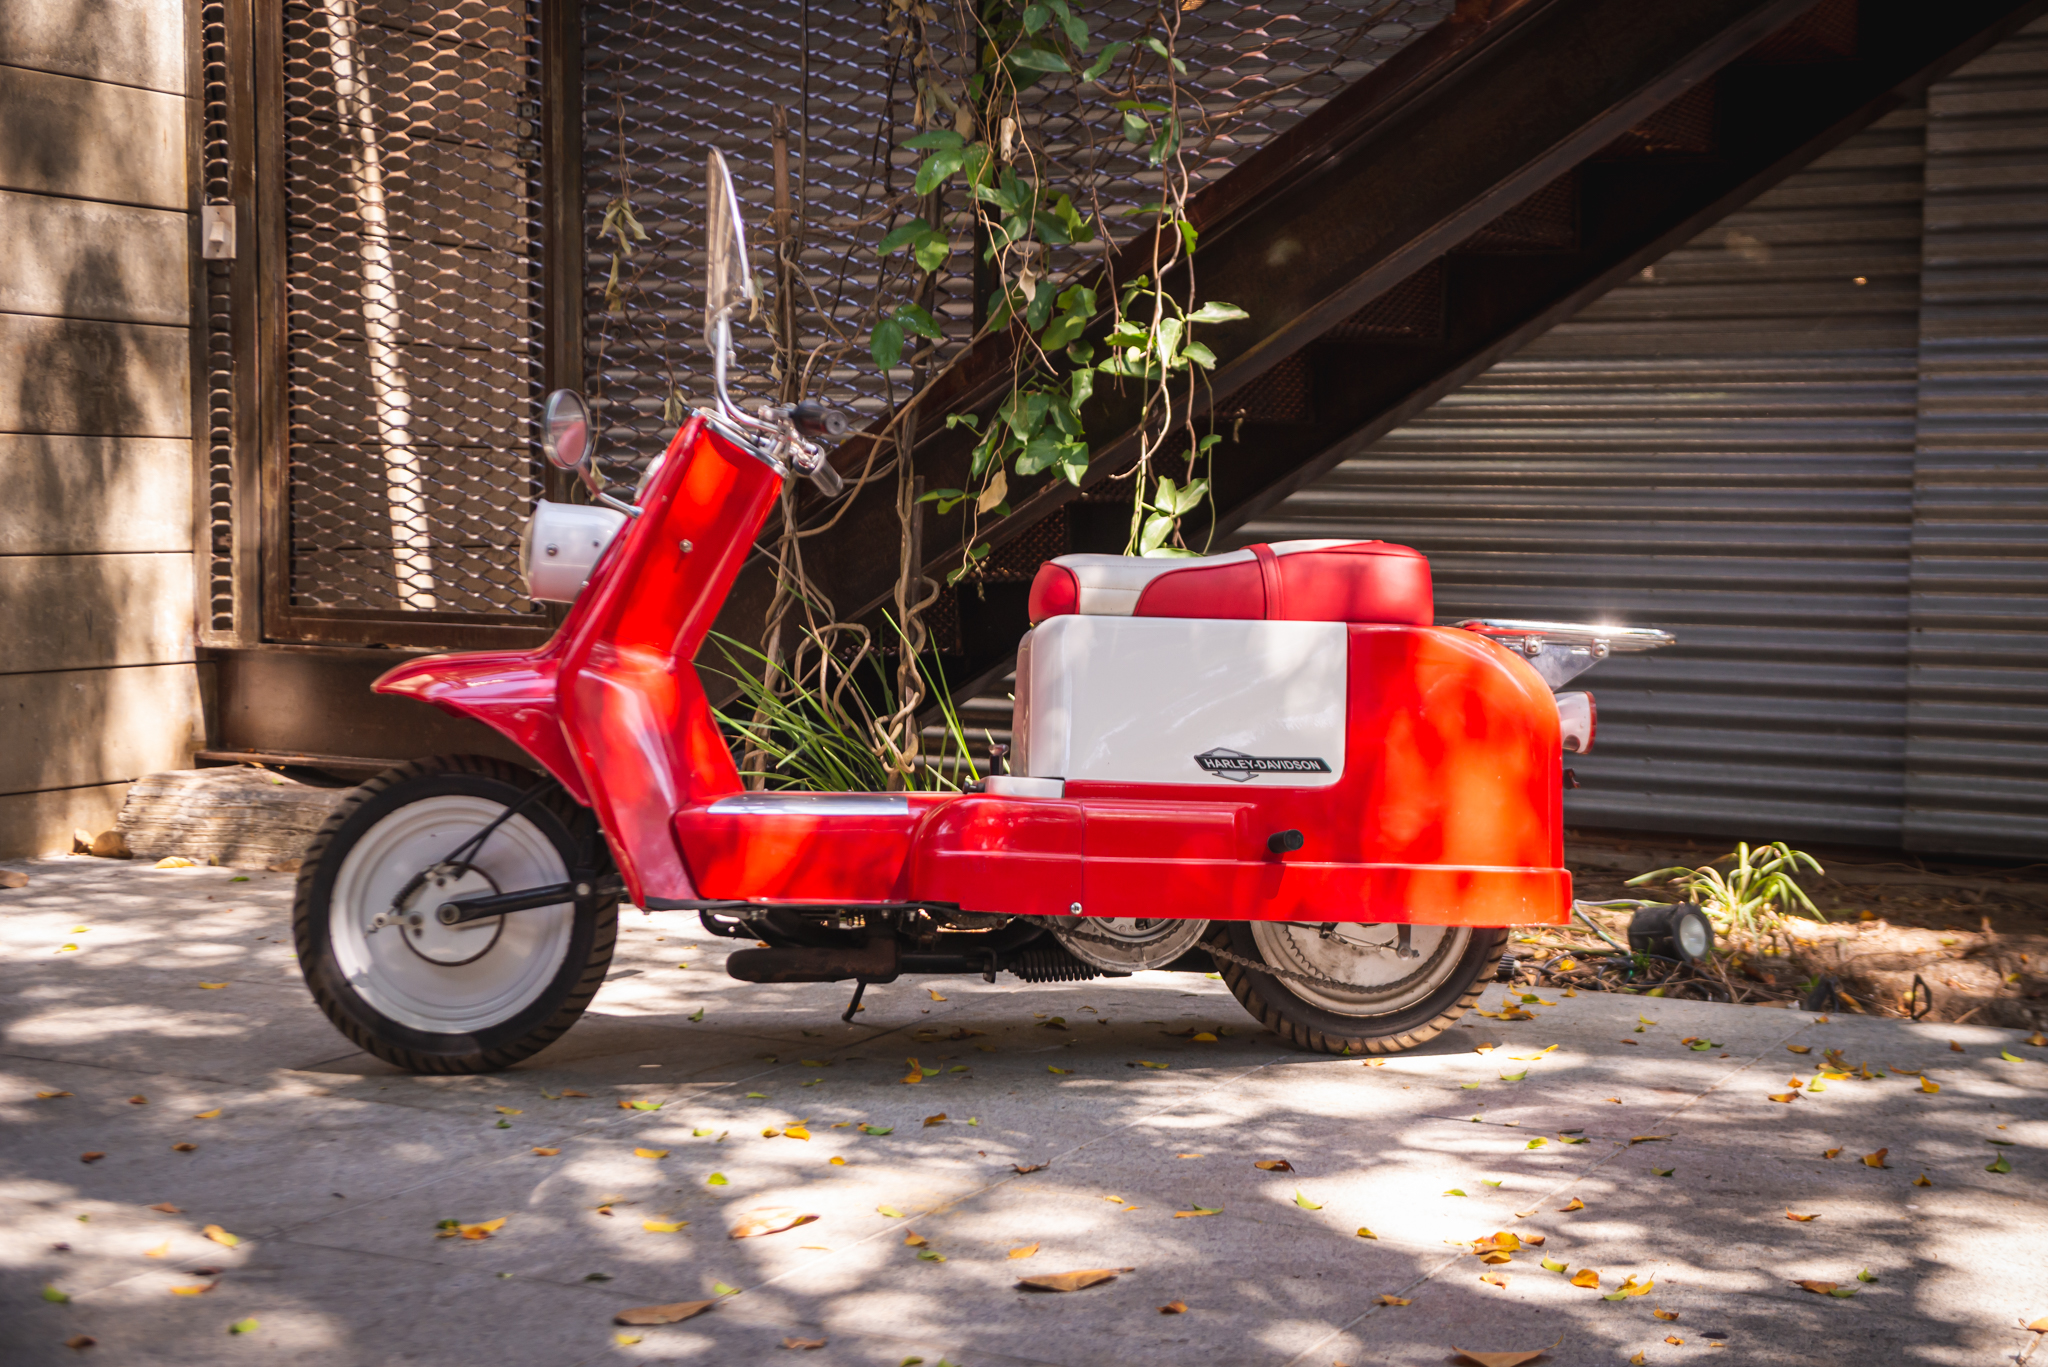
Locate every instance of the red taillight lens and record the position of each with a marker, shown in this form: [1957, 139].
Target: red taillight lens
[1054, 593]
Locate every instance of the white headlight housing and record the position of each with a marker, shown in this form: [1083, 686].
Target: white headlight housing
[561, 543]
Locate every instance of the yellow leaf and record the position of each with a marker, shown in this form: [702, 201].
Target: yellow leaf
[1802, 1219]
[1499, 1359]
[172, 861]
[1817, 1288]
[509, 1110]
[159, 1251]
[482, 1231]
[1204, 1036]
[1876, 1160]
[662, 1226]
[193, 1290]
[934, 995]
[1494, 1279]
[1393, 1300]
[650, 1153]
[213, 987]
[1800, 1048]
[1576, 1204]
[213, 1114]
[1786, 1097]
[1586, 1276]
[547, 1153]
[627, 1340]
[1829, 1153]
[1665, 1314]
[1072, 1281]
[1365, 1233]
[1555, 1265]
[1198, 1210]
[1305, 1203]
[1050, 1069]
[1921, 1181]
[1174, 1308]
[183, 1148]
[1928, 1084]
[1636, 1361]
[795, 1132]
[1023, 1251]
[1273, 1165]
[912, 1239]
[932, 1120]
[50, 1096]
[837, 1161]
[221, 1236]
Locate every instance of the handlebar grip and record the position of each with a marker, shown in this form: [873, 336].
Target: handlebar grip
[813, 419]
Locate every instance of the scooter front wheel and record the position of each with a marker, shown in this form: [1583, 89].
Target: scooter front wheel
[1344, 987]
[472, 997]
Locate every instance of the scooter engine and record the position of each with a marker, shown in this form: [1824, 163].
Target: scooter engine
[1127, 944]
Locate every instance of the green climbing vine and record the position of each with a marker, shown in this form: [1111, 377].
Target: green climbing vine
[979, 143]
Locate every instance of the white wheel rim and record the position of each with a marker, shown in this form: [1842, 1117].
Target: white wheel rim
[449, 980]
[1361, 956]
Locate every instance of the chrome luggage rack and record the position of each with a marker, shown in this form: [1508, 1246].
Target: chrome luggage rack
[1562, 650]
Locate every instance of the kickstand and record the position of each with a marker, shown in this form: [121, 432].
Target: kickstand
[860, 985]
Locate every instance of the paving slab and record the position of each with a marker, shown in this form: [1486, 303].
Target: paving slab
[333, 1170]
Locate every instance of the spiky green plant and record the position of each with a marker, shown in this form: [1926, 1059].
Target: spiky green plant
[1753, 895]
[831, 739]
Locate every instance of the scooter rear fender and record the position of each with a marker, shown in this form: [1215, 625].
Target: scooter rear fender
[510, 691]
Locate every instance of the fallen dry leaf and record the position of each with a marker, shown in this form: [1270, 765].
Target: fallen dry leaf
[483, 1230]
[227, 1240]
[1876, 1160]
[138, 1101]
[820, 1343]
[1499, 1242]
[1800, 1048]
[1274, 1165]
[1674, 1341]
[567, 1092]
[1802, 1219]
[1928, 1084]
[50, 1096]
[1786, 1097]
[656, 1154]
[1392, 1300]
[1198, 1210]
[1073, 1281]
[1586, 1277]
[547, 1153]
[509, 1110]
[1631, 1287]
[1649, 1138]
[663, 1226]
[1665, 1314]
[1035, 1167]
[662, 1314]
[213, 1114]
[1023, 1251]
[1637, 1360]
[2040, 1326]
[80, 1341]
[1174, 1308]
[199, 1290]
[1494, 1279]
[1576, 1204]
[627, 1340]
[1921, 1181]
[2038, 1040]
[1817, 1288]
[167, 1208]
[159, 1251]
[183, 1148]
[912, 1239]
[938, 1119]
[1375, 1063]
[1829, 1153]
[1954, 1047]
[1365, 1233]
[1500, 1359]
[772, 1220]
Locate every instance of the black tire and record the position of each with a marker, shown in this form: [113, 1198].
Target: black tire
[1305, 1025]
[592, 933]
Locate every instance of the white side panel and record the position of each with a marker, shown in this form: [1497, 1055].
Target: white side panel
[1187, 700]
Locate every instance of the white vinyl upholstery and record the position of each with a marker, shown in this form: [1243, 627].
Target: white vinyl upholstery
[1110, 584]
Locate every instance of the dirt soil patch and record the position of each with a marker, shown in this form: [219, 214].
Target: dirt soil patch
[1975, 936]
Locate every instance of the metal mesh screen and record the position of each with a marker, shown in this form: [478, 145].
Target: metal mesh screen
[413, 273]
[664, 81]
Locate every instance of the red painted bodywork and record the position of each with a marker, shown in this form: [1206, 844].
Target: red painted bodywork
[1448, 812]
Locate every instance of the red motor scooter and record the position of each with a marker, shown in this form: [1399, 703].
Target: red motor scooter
[1268, 762]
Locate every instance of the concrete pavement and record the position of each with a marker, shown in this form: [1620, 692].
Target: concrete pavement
[333, 1171]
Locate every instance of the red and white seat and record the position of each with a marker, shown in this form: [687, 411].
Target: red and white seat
[1291, 581]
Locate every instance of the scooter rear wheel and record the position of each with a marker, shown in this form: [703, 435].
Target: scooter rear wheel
[1396, 1004]
[469, 998]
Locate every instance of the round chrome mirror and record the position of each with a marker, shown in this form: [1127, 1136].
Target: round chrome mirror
[565, 429]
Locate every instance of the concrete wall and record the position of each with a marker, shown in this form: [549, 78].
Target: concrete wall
[98, 677]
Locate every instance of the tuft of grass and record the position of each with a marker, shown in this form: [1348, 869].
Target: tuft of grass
[834, 739]
[1754, 895]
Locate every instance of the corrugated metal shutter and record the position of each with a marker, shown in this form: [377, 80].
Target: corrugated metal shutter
[1977, 711]
[1722, 447]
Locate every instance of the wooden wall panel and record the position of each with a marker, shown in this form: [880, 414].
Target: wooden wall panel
[85, 259]
[91, 726]
[91, 140]
[94, 611]
[94, 379]
[128, 42]
[66, 495]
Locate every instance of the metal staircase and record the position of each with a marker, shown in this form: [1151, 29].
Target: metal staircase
[1495, 177]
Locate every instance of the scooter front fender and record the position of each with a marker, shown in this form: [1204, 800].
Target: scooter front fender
[510, 691]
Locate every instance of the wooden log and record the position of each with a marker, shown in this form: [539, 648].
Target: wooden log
[241, 816]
